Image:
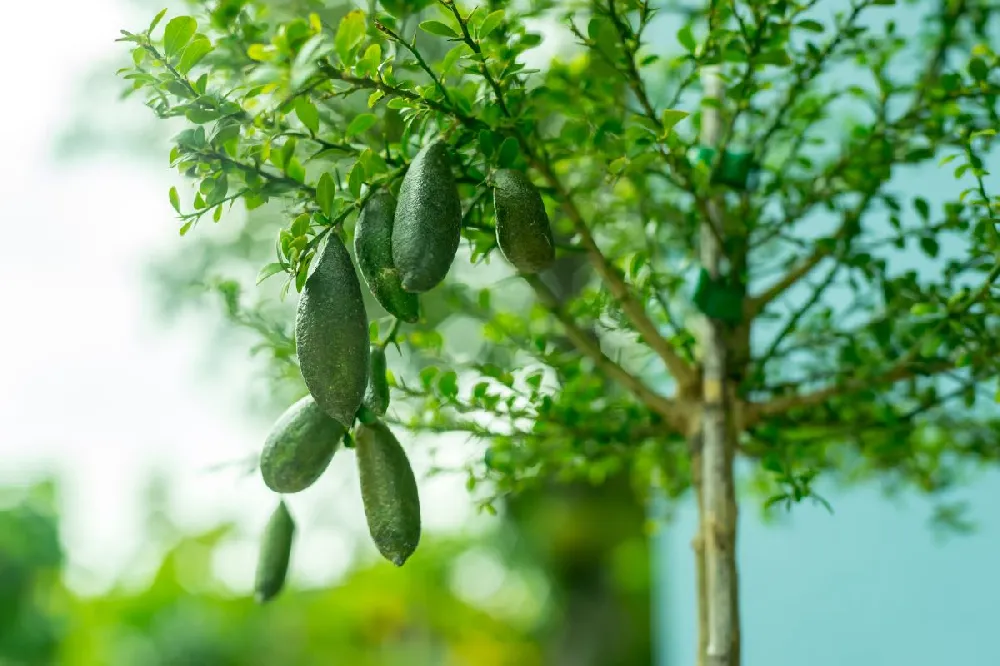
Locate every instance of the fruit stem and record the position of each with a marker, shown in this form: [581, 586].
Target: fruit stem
[393, 332]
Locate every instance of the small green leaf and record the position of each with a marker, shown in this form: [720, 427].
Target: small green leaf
[923, 208]
[670, 117]
[193, 54]
[618, 165]
[947, 158]
[261, 52]
[427, 375]
[356, 179]
[361, 123]
[778, 57]
[978, 69]
[350, 32]
[438, 28]
[491, 23]
[325, 191]
[175, 199]
[186, 227]
[448, 384]
[295, 170]
[218, 191]
[301, 275]
[686, 38]
[178, 32]
[369, 62]
[156, 21]
[288, 152]
[509, 151]
[269, 270]
[930, 246]
[487, 143]
[810, 25]
[452, 56]
[300, 225]
[306, 112]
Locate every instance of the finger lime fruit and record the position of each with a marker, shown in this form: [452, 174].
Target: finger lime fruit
[388, 491]
[523, 231]
[275, 553]
[299, 447]
[428, 221]
[331, 332]
[373, 249]
[377, 394]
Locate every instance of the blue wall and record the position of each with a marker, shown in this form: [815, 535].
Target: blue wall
[870, 585]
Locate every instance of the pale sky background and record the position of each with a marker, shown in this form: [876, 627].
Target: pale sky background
[88, 384]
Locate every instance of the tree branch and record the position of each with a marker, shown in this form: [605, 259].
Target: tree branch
[906, 367]
[683, 373]
[756, 304]
[665, 407]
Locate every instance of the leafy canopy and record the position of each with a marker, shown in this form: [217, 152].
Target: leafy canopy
[860, 317]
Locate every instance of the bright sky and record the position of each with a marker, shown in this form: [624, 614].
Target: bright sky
[87, 382]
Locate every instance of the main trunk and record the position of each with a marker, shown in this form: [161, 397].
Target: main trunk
[714, 545]
[712, 458]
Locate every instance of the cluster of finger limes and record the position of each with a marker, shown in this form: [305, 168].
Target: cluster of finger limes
[403, 248]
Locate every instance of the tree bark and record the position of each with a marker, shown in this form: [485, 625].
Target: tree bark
[719, 614]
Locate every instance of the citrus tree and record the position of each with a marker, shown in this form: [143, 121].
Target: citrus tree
[738, 248]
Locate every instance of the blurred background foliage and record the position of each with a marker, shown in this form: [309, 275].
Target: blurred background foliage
[532, 591]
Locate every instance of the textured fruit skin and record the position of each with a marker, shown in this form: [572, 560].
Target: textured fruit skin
[275, 553]
[428, 220]
[299, 447]
[377, 393]
[523, 231]
[331, 333]
[373, 249]
[389, 492]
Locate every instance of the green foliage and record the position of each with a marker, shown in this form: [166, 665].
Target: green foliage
[169, 608]
[842, 359]
[31, 557]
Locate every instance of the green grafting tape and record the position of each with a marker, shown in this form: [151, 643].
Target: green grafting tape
[717, 299]
[735, 171]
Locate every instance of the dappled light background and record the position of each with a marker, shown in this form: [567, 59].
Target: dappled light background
[127, 424]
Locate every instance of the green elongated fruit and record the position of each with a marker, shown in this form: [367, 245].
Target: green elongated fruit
[377, 393]
[389, 492]
[428, 221]
[523, 231]
[331, 332]
[299, 447]
[275, 553]
[373, 249]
